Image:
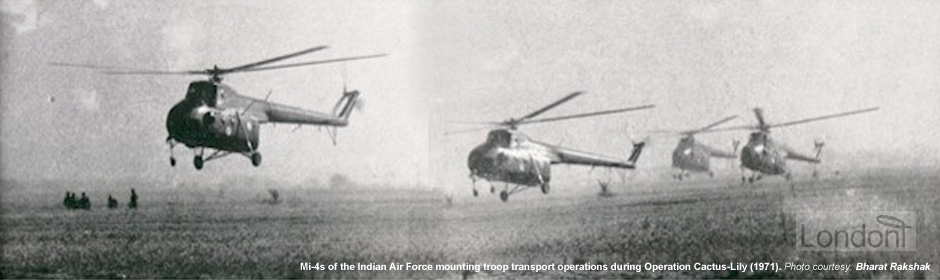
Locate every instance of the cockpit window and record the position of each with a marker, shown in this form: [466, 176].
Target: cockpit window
[499, 137]
[757, 136]
[202, 91]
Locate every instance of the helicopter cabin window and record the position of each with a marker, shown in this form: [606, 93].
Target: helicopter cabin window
[202, 91]
[757, 136]
[499, 137]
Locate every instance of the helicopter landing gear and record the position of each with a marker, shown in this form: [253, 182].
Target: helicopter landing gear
[256, 159]
[492, 189]
[753, 178]
[171, 143]
[788, 176]
[711, 174]
[504, 194]
[545, 188]
[197, 162]
[473, 181]
[681, 175]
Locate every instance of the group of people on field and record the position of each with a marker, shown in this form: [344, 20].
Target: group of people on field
[73, 202]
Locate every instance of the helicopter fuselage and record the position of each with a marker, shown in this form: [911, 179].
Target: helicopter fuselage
[201, 120]
[509, 157]
[761, 154]
[691, 156]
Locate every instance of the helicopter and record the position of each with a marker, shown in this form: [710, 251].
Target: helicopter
[693, 156]
[764, 156]
[213, 116]
[512, 157]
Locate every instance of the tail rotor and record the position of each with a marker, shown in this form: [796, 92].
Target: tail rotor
[817, 146]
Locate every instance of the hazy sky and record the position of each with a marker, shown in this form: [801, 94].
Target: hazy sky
[697, 61]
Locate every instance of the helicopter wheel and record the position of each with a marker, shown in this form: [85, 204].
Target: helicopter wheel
[256, 159]
[492, 189]
[545, 188]
[475, 193]
[197, 161]
[504, 196]
[173, 161]
[711, 174]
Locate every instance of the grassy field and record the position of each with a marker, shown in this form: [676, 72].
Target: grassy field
[197, 232]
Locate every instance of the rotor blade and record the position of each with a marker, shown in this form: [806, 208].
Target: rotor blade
[550, 106]
[825, 117]
[585, 115]
[661, 132]
[730, 128]
[270, 60]
[474, 123]
[153, 72]
[710, 126]
[761, 122]
[664, 132]
[113, 70]
[312, 63]
[86, 66]
[462, 131]
[707, 127]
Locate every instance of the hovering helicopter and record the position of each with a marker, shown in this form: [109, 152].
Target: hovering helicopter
[512, 157]
[767, 157]
[214, 116]
[692, 156]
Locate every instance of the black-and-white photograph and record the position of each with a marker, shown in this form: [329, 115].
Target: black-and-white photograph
[459, 139]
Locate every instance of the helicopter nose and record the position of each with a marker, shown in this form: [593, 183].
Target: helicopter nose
[476, 160]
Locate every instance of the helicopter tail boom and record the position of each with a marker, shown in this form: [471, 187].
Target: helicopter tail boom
[278, 113]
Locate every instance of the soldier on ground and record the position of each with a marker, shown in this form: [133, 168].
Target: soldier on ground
[112, 203]
[69, 201]
[84, 203]
[133, 203]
